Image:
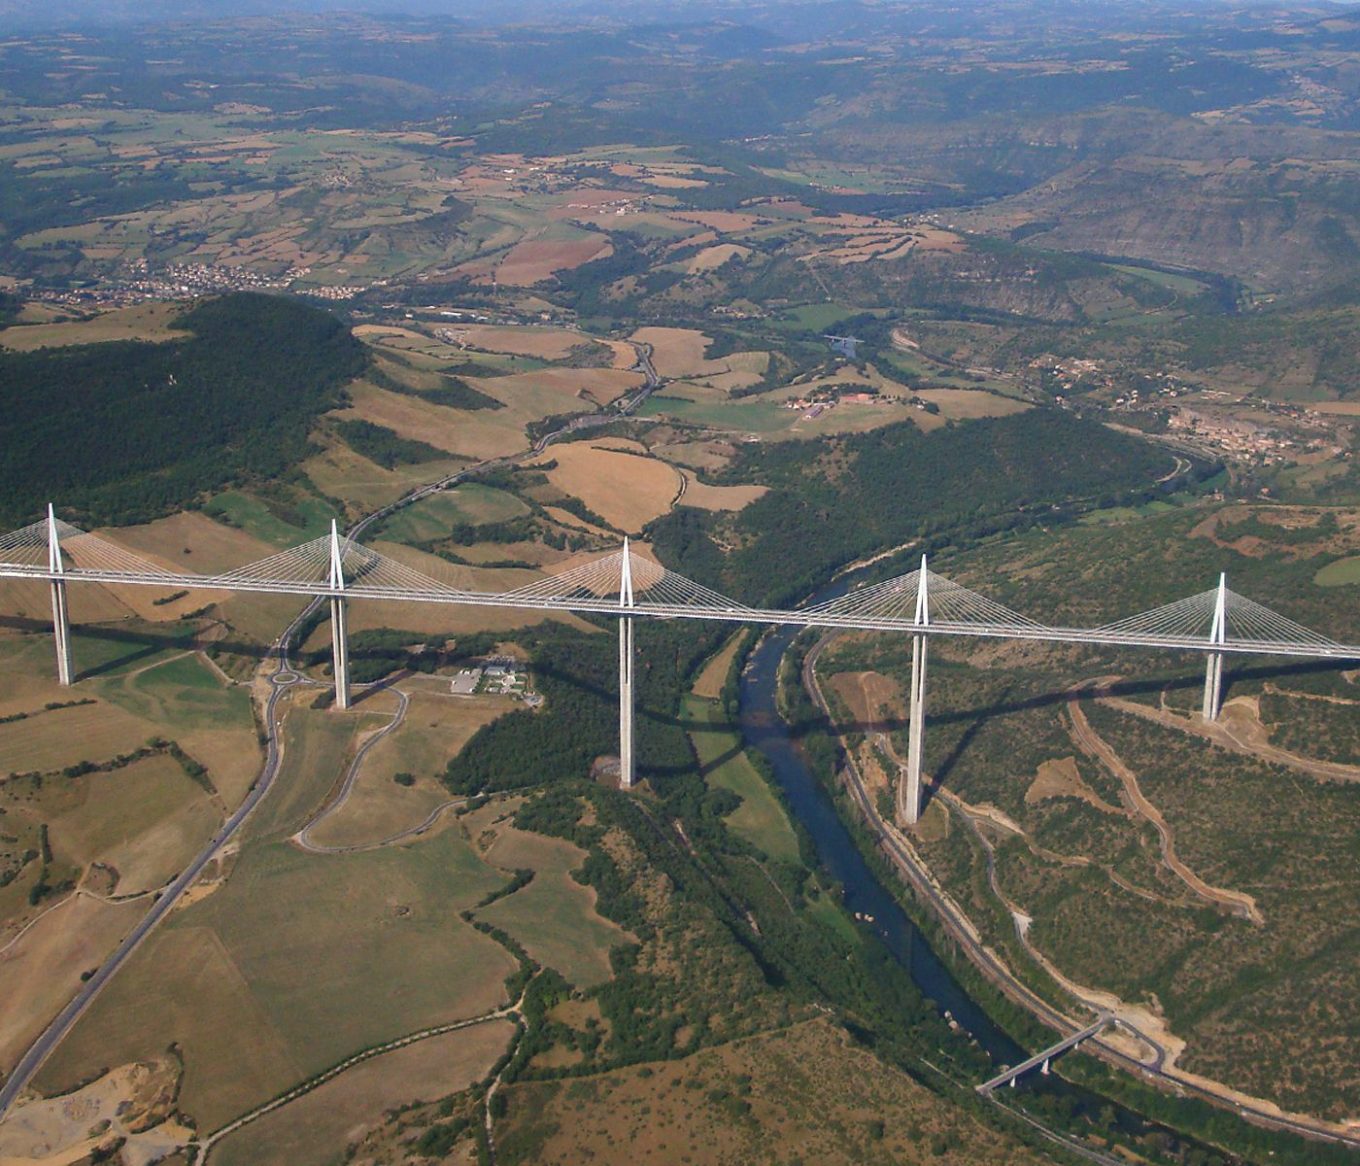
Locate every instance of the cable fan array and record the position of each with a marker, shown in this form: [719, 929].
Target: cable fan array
[949, 604]
[602, 578]
[599, 583]
[309, 565]
[81, 551]
[1192, 619]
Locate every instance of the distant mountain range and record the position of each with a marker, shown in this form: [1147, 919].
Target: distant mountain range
[793, 18]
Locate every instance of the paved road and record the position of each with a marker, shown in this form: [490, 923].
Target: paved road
[303, 837]
[281, 680]
[165, 902]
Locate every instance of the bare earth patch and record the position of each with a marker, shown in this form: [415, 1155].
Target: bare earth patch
[679, 352]
[1061, 779]
[707, 497]
[714, 257]
[191, 541]
[871, 696]
[714, 676]
[676, 352]
[41, 971]
[968, 405]
[546, 343]
[130, 1102]
[535, 260]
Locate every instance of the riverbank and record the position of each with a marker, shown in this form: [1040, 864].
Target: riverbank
[1144, 1062]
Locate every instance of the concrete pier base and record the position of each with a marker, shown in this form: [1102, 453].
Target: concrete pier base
[1213, 686]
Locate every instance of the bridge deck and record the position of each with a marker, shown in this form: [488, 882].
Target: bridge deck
[1049, 1053]
[644, 609]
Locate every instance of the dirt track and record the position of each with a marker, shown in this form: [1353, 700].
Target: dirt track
[1091, 743]
[1239, 730]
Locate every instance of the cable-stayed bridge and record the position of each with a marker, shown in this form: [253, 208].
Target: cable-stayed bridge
[627, 585]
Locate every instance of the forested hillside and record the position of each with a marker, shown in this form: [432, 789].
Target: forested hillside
[126, 431]
[830, 504]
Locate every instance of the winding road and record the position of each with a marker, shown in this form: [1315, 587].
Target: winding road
[1094, 745]
[903, 856]
[302, 838]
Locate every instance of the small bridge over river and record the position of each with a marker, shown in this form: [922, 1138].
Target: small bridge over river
[1041, 1060]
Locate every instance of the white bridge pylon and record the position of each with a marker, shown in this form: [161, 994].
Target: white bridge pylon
[923, 603]
[624, 584]
[52, 546]
[949, 606]
[627, 577]
[332, 563]
[1222, 619]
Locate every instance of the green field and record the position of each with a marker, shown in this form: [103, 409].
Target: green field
[740, 416]
[435, 516]
[1126, 513]
[309, 519]
[1182, 285]
[251, 985]
[817, 317]
[1340, 573]
[178, 692]
[760, 818]
[554, 917]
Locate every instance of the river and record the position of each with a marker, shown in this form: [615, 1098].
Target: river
[764, 730]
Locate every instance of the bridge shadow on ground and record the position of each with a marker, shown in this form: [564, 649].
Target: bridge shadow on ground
[131, 645]
[136, 644]
[976, 717]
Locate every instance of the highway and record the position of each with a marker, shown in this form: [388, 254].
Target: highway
[281, 681]
[735, 613]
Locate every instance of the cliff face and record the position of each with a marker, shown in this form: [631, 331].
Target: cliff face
[1287, 226]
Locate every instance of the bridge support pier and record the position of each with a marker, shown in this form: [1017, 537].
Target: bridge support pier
[1213, 670]
[61, 617]
[909, 786]
[61, 627]
[909, 793]
[339, 625]
[1213, 686]
[627, 772]
[340, 652]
